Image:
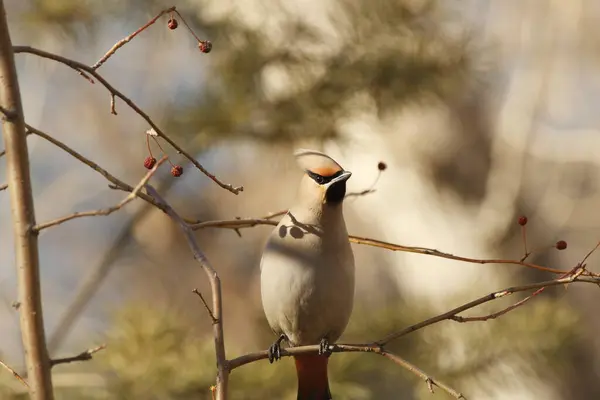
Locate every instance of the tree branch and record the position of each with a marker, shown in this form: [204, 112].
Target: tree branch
[215, 284]
[125, 40]
[114, 92]
[15, 374]
[83, 356]
[451, 315]
[348, 348]
[105, 211]
[23, 216]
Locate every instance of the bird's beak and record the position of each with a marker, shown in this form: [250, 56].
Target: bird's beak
[342, 177]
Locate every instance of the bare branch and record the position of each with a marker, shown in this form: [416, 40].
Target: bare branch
[113, 110]
[113, 91]
[348, 348]
[15, 374]
[124, 41]
[83, 356]
[2, 153]
[252, 222]
[215, 284]
[3, 187]
[111, 178]
[210, 313]
[23, 217]
[105, 211]
[450, 315]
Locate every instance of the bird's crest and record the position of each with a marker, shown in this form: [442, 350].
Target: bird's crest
[317, 162]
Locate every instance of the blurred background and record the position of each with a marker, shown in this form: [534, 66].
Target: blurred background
[483, 110]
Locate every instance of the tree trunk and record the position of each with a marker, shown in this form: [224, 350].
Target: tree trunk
[23, 218]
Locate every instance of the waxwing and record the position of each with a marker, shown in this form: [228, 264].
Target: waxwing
[307, 272]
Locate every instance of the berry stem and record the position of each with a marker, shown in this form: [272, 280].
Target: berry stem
[187, 26]
[161, 149]
[148, 145]
[524, 236]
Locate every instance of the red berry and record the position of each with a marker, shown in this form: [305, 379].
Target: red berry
[205, 46]
[149, 162]
[522, 220]
[381, 166]
[561, 245]
[176, 171]
[172, 24]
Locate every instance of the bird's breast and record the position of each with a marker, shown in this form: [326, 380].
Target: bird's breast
[307, 281]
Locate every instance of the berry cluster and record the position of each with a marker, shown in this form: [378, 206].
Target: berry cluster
[205, 46]
[522, 220]
[150, 161]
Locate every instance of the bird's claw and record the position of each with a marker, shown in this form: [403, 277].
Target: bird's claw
[275, 349]
[324, 349]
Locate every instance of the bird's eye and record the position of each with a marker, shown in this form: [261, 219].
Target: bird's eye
[319, 179]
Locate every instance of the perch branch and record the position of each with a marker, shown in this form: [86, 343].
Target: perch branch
[215, 284]
[76, 65]
[105, 211]
[15, 374]
[378, 347]
[83, 356]
[3, 187]
[23, 218]
[348, 348]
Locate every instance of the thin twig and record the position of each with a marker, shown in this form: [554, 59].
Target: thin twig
[210, 313]
[111, 178]
[347, 348]
[3, 187]
[2, 153]
[252, 222]
[589, 253]
[124, 41]
[215, 284]
[113, 110]
[15, 374]
[105, 211]
[573, 274]
[112, 90]
[449, 315]
[83, 356]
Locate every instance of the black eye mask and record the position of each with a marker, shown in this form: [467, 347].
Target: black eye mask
[323, 180]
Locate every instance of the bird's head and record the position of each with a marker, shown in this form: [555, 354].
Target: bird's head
[324, 179]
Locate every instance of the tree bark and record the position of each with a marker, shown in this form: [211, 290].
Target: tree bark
[23, 218]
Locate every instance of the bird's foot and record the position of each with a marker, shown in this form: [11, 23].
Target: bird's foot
[324, 349]
[275, 349]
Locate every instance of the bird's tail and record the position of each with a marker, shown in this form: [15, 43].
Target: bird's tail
[312, 377]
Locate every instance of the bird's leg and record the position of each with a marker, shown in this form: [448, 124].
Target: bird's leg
[324, 347]
[275, 349]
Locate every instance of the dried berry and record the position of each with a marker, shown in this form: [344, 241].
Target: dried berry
[177, 171]
[149, 162]
[172, 24]
[381, 166]
[561, 245]
[205, 46]
[522, 220]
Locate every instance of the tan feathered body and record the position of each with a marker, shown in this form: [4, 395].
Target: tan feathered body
[307, 276]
